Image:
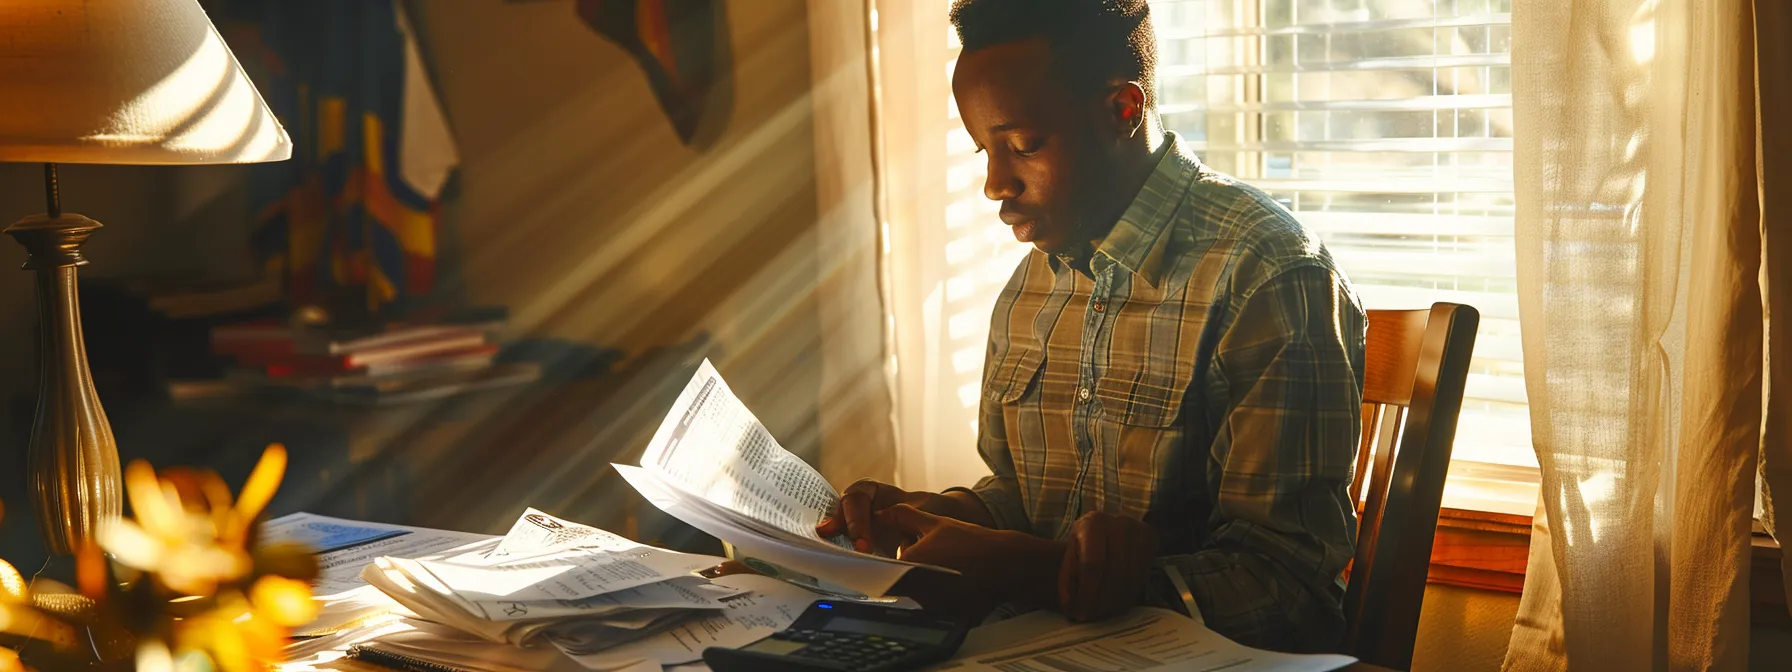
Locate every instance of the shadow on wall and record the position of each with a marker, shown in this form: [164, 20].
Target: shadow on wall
[685, 49]
[580, 208]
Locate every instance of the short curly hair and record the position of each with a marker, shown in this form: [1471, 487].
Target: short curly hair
[1093, 41]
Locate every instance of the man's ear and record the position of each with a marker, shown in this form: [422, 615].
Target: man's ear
[1127, 108]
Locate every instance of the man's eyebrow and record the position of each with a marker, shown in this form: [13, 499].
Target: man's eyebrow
[1004, 126]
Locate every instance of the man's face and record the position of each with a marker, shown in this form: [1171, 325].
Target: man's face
[1044, 147]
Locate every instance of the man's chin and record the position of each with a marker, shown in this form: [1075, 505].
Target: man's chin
[1053, 245]
[1048, 241]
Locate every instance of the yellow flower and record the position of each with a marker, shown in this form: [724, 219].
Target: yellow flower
[18, 619]
[182, 576]
[284, 601]
[186, 532]
[9, 661]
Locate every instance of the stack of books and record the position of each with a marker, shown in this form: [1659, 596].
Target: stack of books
[386, 365]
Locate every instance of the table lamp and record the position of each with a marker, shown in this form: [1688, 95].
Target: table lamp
[115, 82]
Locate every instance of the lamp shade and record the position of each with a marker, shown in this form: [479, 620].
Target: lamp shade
[126, 81]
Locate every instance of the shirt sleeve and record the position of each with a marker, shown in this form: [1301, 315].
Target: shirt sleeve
[1282, 528]
[999, 491]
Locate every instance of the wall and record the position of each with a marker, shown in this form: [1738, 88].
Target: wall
[580, 210]
[1463, 629]
[576, 206]
[158, 222]
[1466, 630]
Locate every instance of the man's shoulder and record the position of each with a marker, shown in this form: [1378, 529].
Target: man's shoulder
[1240, 221]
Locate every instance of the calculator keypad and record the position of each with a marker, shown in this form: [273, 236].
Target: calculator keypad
[852, 649]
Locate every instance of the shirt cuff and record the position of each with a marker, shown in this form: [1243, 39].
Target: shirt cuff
[1002, 499]
[1163, 592]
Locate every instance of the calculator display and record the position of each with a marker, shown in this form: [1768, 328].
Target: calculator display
[896, 630]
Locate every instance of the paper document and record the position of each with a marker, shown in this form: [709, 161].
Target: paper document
[847, 573]
[345, 546]
[556, 580]
[771, 606]
[538, 532]
[601, 564]
[713, 466]
[1143, 639]
[710, 445]
[688, 592]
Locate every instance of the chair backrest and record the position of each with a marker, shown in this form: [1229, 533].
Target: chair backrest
[1414, 370]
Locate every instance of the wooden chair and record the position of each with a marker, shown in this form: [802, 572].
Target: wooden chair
[1414, 370]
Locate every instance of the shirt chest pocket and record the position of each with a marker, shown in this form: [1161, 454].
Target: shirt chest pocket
[1146, 389]
[1015, 370]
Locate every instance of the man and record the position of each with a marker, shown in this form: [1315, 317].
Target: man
[1172, 393]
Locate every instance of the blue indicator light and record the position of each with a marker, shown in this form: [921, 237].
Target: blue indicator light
[825, 605]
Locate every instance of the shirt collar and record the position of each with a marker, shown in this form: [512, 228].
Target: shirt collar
[1140, 238]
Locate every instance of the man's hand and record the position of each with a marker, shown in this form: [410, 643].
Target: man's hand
[996, 565]
[854, 516]
[1106, 559]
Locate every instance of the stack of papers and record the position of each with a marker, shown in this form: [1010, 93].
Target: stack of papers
[713, 465]
[600, 599]
[343, 547]
[575, 584]
[551, 594]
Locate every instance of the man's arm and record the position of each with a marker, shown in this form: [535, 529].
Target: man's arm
[1283, 525]
[997, 495]
[993, 503]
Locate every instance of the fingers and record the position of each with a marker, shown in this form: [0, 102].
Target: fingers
[853, 515]
[1092, 554]
[831, 524]
[728, 568]
[1125, 572]
[1104, 569]
[1067, 575]
[908, 520]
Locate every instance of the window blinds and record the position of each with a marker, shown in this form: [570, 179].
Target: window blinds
[1386, 126]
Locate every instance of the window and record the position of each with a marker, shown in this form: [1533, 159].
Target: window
[1386, 126]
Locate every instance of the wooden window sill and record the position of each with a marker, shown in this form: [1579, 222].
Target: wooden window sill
[1480, 549]
[1489, 551]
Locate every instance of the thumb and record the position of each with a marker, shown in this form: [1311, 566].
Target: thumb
[909, 520]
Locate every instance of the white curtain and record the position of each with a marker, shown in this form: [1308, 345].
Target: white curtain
[1645, 195]
[946, 254]
[855, 415]
[901, 195]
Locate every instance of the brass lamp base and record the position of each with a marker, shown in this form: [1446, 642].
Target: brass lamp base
[73, 474]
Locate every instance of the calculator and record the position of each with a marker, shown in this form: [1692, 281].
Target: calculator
[837, 635]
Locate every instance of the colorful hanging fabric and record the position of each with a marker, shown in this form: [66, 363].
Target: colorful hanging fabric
[356, 210]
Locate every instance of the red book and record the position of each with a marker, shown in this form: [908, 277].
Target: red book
[384, 359]
[275, 339]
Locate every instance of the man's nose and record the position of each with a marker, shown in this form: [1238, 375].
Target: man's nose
[1001, 183]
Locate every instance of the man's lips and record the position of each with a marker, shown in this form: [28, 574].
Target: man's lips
[1023, 231]
[1023, 225]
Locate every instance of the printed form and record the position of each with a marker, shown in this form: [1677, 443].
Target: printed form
[712, 465]
[711, 446]
[1143, 639]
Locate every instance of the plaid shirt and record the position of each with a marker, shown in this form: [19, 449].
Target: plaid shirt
[1205, 375]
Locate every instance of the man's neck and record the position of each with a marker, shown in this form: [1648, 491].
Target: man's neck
[1138, 163]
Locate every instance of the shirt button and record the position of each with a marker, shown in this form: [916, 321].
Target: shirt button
[1083, 394]
[1100, 306]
